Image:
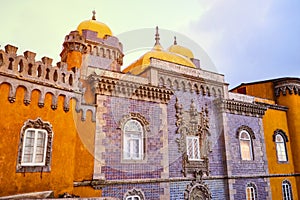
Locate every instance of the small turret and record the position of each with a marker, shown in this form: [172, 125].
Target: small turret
[74, 47]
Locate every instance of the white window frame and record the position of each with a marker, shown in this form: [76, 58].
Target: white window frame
[287, 193]
[250, 148]
[280, 148]
[130, 137]
[250, 193]
[132, 197]
[193, 147]
[34, 153]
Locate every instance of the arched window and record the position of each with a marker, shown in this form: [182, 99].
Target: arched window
[251, 192]
[245, 145]
[133, 144]
[280, 148]
[280, 140]
[287, 190]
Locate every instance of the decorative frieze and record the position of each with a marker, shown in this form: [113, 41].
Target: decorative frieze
[288, 85]
[121, 88]
[241, 108]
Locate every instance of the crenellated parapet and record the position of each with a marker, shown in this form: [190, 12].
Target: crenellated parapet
[106, 48]
[24, 71]
[287, 85]
[42, 72]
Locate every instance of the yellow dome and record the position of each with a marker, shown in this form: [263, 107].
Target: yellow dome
[181, 50]
[143, 62]
[157, 52]
[93, 25]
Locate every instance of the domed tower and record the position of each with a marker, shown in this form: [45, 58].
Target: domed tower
[102, 50]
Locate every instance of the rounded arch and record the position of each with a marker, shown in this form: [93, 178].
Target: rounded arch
[247, 129]
[281, 133]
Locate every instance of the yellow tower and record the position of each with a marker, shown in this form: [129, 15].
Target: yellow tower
[287, 92]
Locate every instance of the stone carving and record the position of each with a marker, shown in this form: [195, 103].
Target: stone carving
[136, 116]
[193, 123]
[290, 85]
[246, 128]
[37, 124]
[197, 190]
[134, 192]
[112, 87]
[242, 108]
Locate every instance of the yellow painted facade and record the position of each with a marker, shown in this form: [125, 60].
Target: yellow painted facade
[292, 101]
[71, 160]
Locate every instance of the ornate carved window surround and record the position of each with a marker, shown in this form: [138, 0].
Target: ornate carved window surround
[36, 124]
[145, 129]
[134, 192]
[192, 123]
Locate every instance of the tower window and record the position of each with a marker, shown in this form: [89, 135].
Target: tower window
[133, 144]
[251, 192]
[280, 140]
[246, 145]
[287, 190]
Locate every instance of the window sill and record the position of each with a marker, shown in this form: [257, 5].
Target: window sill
[23, 169]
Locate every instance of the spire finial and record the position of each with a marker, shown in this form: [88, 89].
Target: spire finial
[175, 42]
[94, 15]
[157, 37]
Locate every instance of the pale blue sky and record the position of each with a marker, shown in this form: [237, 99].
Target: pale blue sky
[246, 40]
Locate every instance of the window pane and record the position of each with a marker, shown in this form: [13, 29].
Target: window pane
[245, 150]
[281, 151]
[28, 146]
[193, 148]
[196, 149]
[190, 148]
[135, 148]
[287, 191]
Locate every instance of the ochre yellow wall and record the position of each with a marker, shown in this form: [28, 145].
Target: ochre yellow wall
[262, 90]
[276, 187]
[67, 148]
[292, 101]
[273, 120]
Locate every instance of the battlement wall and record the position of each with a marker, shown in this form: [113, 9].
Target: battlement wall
[42, 72]
[23, 71]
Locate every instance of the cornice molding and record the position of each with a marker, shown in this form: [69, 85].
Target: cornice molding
[121, 88]
[242, 108]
